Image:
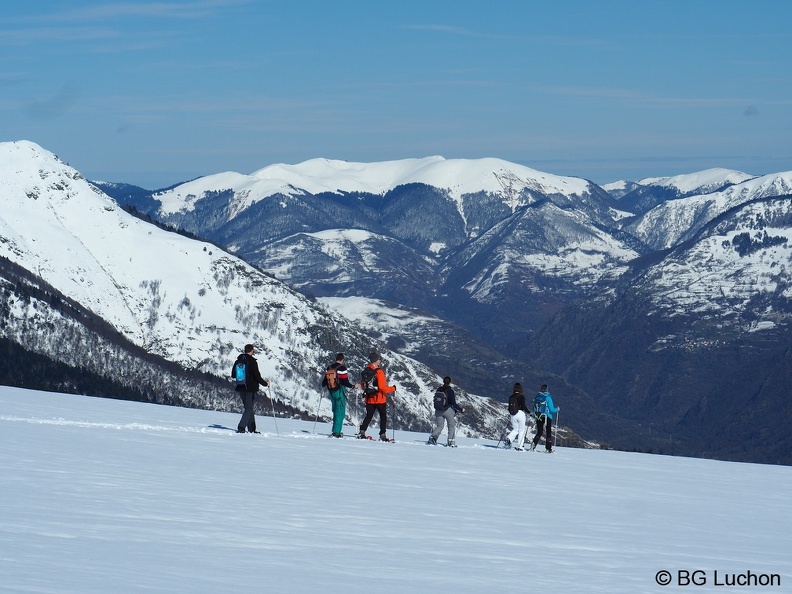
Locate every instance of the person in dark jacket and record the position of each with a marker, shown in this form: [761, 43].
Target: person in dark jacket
[338, 398]
[445, 413]
[517, 410]
[247, 391]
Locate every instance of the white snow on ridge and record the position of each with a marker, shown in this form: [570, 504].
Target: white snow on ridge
[456, 176]
[701, 180]
[617, 185]
[110, 496]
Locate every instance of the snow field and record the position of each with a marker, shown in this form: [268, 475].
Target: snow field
[104, 495]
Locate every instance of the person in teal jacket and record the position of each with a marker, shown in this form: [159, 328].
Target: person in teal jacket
[544, 409]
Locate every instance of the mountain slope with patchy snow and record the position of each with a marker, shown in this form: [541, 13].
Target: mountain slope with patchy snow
[675, 221]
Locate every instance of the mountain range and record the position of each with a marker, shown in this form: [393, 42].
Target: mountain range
[657, 310]
[115, 301]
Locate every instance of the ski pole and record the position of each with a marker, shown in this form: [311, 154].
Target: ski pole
[393, 425]
[354, 411]
[316, 416]
[272, 402]
[555, 435]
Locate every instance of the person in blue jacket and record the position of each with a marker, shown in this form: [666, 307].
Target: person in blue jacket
[544, 409]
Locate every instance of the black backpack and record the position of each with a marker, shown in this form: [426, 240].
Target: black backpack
[514, 407]
[368, 381]
[441, 399]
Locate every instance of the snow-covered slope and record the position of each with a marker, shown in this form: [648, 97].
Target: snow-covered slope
[651, 192]
[109, 496]
[676, 220]
[738, 271]
[619, 188]
[539, 247]
[344, 261]
[180, 298]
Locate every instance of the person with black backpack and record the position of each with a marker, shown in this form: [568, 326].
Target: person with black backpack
[336, 380]
[375, 392]
[517, 410]
[446, 409]
[248, 379]
[544, 409]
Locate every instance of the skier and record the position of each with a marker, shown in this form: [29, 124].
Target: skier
[377, 401]
[544, 409]
[446, 409]
[247, 390]
[517, 410]
[338, 375]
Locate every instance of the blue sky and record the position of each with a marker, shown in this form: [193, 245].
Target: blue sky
[154, 93]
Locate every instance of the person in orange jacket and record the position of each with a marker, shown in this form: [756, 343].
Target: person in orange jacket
[376, 401]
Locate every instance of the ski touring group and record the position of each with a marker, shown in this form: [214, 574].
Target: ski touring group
[375, 389]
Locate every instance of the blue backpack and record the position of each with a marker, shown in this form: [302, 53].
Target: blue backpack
[240, 372]
[540, 406]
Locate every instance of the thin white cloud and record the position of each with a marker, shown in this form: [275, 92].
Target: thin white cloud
[36, 35]
[554, 40]
[641, 99]
[446, 29]
[104, 22]
[108, 11]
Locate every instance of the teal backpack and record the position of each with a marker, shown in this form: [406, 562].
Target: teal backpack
[540, 407]
[240, 372]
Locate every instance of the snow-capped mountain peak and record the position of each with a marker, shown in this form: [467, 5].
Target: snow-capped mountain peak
[700, 182]
[455, 176]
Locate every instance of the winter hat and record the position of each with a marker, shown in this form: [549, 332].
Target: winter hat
[340, 357]
[373, 356]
